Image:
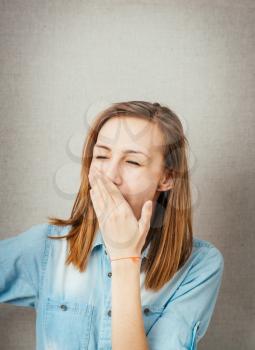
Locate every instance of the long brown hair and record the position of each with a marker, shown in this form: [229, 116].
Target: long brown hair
[171, 238]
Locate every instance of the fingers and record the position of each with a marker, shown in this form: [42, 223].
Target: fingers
[102, 201]
[144, 222]
[102, 193]
[107, 187]
[114, 191]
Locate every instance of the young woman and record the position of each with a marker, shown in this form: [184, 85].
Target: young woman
[124, 270]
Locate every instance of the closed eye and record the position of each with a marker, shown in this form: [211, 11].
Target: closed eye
[128, 161]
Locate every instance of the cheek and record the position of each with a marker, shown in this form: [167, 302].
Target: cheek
[141, 187]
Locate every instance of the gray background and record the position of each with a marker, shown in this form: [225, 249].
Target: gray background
[60, 60]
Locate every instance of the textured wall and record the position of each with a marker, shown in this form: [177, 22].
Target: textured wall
[62, 60]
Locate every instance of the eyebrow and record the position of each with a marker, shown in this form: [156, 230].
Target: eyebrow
[125, 151]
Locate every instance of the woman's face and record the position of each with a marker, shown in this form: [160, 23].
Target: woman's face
[133, 159]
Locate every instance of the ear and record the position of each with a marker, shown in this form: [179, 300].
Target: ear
[166, 182]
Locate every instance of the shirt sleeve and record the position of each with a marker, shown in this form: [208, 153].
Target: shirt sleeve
[187, 315]
[21, 266]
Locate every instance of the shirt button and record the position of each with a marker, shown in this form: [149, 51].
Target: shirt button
[63, 307]
[109, 313]
[109, 274]
[146, 311]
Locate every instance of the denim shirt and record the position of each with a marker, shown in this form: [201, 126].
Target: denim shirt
[73, 309]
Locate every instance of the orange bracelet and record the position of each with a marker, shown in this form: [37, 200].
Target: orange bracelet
[134, 258]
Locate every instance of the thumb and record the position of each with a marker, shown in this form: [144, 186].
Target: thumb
[144, 221]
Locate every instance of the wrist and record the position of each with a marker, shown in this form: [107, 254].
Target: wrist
[126, 264]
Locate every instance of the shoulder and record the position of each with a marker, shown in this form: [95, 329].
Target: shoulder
[33, 234]
[31, 241]
[39, 232]
[27, 244]
[207, 255]
[202, 272]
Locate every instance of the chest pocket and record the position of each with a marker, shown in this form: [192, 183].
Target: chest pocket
[151, 314]
[67, 324]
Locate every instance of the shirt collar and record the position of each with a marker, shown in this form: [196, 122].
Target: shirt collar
[99, 241]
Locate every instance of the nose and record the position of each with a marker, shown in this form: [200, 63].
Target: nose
[112, 172]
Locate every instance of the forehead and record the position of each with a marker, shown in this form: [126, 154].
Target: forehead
[123, 132]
